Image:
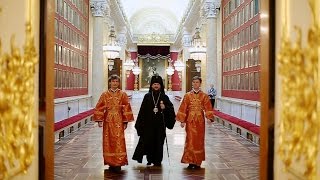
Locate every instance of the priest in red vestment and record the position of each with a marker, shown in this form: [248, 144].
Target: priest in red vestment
[194, 108]
[113, 112]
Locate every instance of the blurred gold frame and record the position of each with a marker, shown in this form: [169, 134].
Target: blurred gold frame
[300, 97]
[17, 105]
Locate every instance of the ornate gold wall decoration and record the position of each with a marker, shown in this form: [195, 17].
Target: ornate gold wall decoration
[17, 118]
[299, 120]
[154, 38]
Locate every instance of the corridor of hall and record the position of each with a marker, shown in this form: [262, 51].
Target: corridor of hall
[228, 156]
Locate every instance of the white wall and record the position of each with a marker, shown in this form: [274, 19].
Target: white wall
[243, 109]
[77, 104]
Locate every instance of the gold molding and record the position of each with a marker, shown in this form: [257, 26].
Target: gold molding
[17, 102]
[299, 119]
[154, 38]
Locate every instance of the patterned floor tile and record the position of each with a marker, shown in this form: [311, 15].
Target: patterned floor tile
[228, 156]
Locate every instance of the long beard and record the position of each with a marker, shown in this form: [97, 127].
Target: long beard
[155, 94]
[156, 91]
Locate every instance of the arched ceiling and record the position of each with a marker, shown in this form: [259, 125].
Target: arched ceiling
[154, 16]
[158, 20]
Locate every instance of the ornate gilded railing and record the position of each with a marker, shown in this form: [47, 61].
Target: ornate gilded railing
[17, 112]
[300, 97]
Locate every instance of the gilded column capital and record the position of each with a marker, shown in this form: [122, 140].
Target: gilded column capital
[211, 8]
[99, 8]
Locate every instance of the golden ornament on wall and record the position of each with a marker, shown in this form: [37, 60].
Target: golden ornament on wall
[299, 119]
[17, 112]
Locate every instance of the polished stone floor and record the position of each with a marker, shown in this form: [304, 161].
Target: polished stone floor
[228, 156]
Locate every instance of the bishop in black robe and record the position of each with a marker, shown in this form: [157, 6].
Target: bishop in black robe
[152, 122]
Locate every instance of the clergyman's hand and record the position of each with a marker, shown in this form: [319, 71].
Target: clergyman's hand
[100, 123]
[162, 106]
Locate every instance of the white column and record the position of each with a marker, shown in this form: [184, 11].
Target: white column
[98, 9]
[185, 57]
[211, 10]
[186, 43]
[123, 71]
[122, 40]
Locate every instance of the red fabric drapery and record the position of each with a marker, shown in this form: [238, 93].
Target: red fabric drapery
[154, 50]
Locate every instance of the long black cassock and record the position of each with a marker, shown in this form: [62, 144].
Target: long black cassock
[151, 127]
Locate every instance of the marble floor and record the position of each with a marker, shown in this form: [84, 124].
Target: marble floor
[228, 156]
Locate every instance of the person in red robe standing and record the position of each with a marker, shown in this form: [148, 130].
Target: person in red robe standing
[113, 112]
[194, 108]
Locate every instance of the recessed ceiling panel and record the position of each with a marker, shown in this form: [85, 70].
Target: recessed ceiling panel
[154, 16]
